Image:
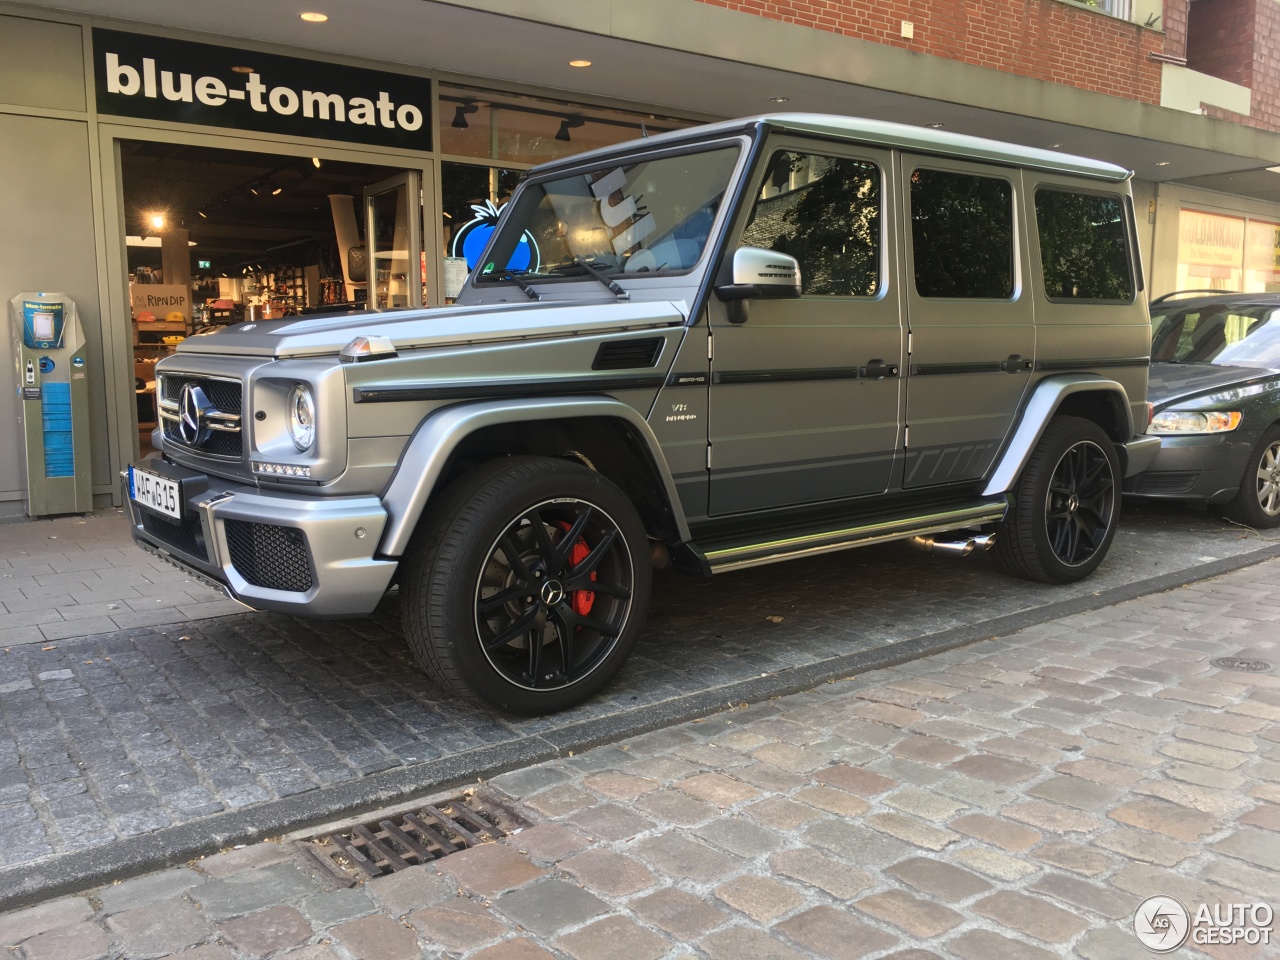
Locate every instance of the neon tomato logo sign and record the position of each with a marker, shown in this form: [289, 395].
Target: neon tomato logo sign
[473, 236]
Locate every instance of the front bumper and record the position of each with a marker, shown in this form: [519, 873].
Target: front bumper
[290, 553]
[1206, 468]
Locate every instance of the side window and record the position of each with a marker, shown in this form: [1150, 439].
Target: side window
[825, 212]
[962, 235]
[1083, 251]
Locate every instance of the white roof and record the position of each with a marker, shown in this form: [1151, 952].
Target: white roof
[879, 133]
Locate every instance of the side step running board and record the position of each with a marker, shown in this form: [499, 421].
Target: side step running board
[812, 544]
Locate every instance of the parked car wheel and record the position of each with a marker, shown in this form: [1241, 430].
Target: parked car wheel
[1066, 505]
[1257, 504]
[528, 585]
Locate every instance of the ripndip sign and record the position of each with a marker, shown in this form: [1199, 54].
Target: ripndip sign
[159, 78]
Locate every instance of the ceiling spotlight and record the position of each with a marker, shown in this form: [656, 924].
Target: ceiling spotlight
[315, 162]
[1056, 146]
[242, 69]
[157, 220]
[779, 99]
[567, 124]
[579, 63]
[935, 125]
[460, 115]
[277, 191]
[1162, 163]
[314, 17]
[203, 215]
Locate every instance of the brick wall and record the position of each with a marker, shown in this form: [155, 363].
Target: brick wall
[1043, 39]
[1174, 24]
[1238, 40]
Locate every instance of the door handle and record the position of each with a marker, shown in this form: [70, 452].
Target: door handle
[1015, 364]
[878, 369]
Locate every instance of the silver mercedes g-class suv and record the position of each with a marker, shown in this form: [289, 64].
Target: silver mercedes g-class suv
[720, 347]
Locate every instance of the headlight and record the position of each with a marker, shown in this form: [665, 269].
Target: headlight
[302, 417]
[1186, 422]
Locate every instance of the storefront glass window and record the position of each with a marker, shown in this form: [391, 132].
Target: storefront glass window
[471, 199]
[1210, 251]
[1262, 257]
[499, 126]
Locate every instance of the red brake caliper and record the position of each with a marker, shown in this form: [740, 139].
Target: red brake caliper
[582, 600]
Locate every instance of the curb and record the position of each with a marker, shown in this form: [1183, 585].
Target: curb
[27, 884]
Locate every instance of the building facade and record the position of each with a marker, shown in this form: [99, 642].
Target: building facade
[168, 166]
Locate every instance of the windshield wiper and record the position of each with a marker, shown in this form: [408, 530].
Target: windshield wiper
[523, 284]
[597, 274]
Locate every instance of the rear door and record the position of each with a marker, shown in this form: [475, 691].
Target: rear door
[804, 400]
[970, 316]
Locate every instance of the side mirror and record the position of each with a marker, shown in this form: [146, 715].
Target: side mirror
[759, 275]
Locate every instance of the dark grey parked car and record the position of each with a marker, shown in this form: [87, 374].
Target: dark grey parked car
[1215, 389]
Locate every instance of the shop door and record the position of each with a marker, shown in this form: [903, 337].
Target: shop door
[393, 241]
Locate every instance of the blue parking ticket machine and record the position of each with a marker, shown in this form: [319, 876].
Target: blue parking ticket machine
[53, 402]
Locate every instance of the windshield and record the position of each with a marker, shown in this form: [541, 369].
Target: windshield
[650, 216]
[1234, 335]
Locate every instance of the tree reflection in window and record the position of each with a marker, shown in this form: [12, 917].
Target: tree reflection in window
[962, 235]
[825, 212]
[1083, 253]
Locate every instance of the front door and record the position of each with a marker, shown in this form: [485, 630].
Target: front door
[393, 241]
[970, 314]
[804, 397]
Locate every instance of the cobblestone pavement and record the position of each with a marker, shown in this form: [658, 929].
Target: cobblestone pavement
[215, 723]
[1014, 799]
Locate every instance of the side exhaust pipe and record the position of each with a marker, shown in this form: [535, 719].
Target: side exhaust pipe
[954, 548]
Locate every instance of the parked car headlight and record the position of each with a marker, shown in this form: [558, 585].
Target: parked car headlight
[1185, 422]
[302, 417]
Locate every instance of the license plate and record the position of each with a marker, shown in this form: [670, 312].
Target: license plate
[158, 493]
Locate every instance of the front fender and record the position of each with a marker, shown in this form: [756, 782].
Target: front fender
[1045, 400]
[435, 440]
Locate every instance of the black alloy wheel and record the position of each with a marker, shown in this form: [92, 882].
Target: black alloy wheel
[526, 584]
[554, 595]
[1065, 507]
[1080, 503]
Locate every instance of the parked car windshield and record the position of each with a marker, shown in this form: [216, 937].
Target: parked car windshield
[1246, 335]
[648, 216]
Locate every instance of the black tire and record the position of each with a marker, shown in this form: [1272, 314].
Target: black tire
[1257, 504]
[1066, 505]
[495, 605]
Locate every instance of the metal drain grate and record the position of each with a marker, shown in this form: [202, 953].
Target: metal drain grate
[420, 835]
[1241, 664]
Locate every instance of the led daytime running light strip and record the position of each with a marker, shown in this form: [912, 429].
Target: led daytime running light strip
[282, 470]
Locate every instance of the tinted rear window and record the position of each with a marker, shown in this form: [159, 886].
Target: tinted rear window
[1083, 251]
[962, 235]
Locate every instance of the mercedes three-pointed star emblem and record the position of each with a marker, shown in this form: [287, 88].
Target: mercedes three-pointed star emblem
[193, 410]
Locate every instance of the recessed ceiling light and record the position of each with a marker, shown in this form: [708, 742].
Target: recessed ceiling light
[1162, 163]
[935, 125]
[779, 99]
[242, 69]
[1273, 169]
[1055, 146]
[315, 162]
[315, 17]
[157, 220]
[579, 63]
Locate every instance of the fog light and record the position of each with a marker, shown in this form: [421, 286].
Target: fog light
[293, 470]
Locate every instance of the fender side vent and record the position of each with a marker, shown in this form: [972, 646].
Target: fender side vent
[628, 354]
[401, 840]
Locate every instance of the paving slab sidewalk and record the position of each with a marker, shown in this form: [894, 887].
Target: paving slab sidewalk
[75, 576]
[1016, 798]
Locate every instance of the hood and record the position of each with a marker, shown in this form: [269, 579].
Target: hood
[1170, 382]
[435, 327]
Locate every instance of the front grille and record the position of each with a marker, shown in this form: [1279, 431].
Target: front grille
[269, 556]
[1172, 481]
[226, 395]
[186, 537]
